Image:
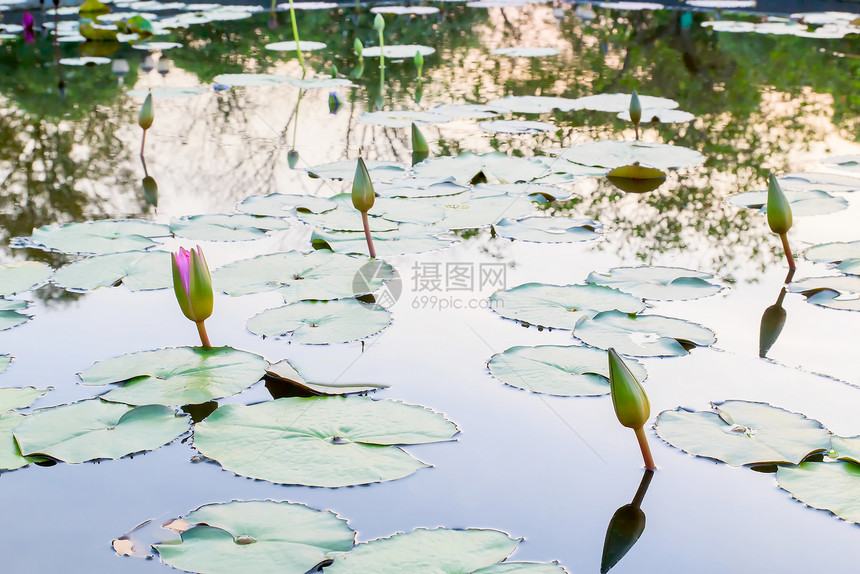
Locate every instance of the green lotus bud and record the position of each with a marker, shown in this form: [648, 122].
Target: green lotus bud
[292, 158]
[419, 144]
[379, 23]
[419, 61]
[147, 114]
[358, 71]
[362, 188]
[333, 70]
[358, 47]
[635, 108]
[628, 397]
[778, 209]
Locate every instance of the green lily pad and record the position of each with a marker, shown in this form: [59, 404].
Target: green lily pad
[345, 170]
[521, 568]
[549, 229]
[290, 46]
[519, 127]
[481, 208]
[401, 118]
[284, 371]
[845, 254]
[394, 51]
[321, 322]
[260, 536]
[439, 551]
[660, 283]
[282, 204]
[847, 163]
[661, 116]
[415, 210]
[404, 10]
[828, 182]
[744, 433]
[526, 52]
[319, 83]
[319, 275]
[846, 448]
[137, 270]
[98, 237]
[405, 240]
[495, 166]
[806, 202]
[177, 376]
[320, 441]
[419, 187]
[533, 104]
[537, 192]
[19, 398]
[642, 335]
[84, 61]
[10, 455]
[157, 46]
[225, 227]
[566, 371]
[466, 111]
[841, 292]
[347, 218]
[22, 276]
[621, 102]
[249, 80]
[10, 314]
[560, 307]
[832, 486]
[95, 429]
[612, 154]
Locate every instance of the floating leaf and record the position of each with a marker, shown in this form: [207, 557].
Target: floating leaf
[169, 92]
[284, 371]
[98, 237]
[257, 536]
[225, 227]
[84, 61]
[842, 292]
[137, 270]
[567, 371]
[521, 568]
[464, 111]
[438, 551]
[832, 486]
[282, 204]
[744, 433]
[526, 52]
[560, 307]
[321, 322]
[621, 103]
[847, 448]
[22, 276]
[10, 314]
[612, 154]
[403, 10]
[847, 255]
[19, 398]
[494, 166]
[847, 163]
[177, 376]
[10, 455]
[538, 192]
[401, 118]
[95, 429]
[157, 46]
[662, 116]
[481, 208]
[660, 283]
[322, 82]
[533, 104]
[406, 239]
[807, 202]
[396, 52]
[345, 170]
[290, 46]
[249, 80]
[4, 362]
[320, 441]
[819, 182]
[549, 229]
[419, 187]
[319, 275]
[642, 335]
[520, 127]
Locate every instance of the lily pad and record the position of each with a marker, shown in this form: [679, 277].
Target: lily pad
[85, 61]
[95, 429]
[463, 111]
[420, 211]
[284, 371]
[533, 104]
[549, 229]
[98, 237]
[177, 376]
[290, 46]
[806, 202]
[847, 163]
[567, 371]
[659, 283]
[283, 204]
[538, 192]
[169, 92]
[401, 118]
[406, 239]
[642, 335]
[319, 275]
[846, 254]
[846, 448]
[320, 441]
[137, 270]
[419, 187]
[319, 83]
[347, 218]
[345, 170]
[612, 154]
[4, 362]
[521, 568]
[22, 276]
[402, 10]
[10, 455]
[19, 398]
[661, 116]
[519, 127]
[157, 46]
[439, 551]
[11, 315]
[828, 182]
[526, 52]
[744, 433]
[395, 51]
[225, 227]
[560, 307]
[249, 80]
[481, 208]
[841, 292]
[494, 166]
[621, 102]
[832, 486]
[321, 322]
[261, 536]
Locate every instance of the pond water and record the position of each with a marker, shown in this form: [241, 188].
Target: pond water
[551, 470]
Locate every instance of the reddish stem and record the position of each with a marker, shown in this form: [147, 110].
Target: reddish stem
[143, 143]
[367, 236]
[787, 249]
[646, 450]
[204, 337]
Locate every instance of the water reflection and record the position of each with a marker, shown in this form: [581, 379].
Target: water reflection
[773, 320]
[625, 527]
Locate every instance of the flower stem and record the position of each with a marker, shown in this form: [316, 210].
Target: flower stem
[646, 450]
[787, 249]
[296, 38]
[143, 144]
[636, 127]
[381, 51]
[204, 337]
[367, 236]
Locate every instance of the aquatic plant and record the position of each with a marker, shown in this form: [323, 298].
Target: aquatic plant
[779, 216]
[419, 63]
[296, 38]
[631, 403]
[635, 112]
[145, 119]
[193, 287]
[420, 148]
[362, 198]
[379, 26]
